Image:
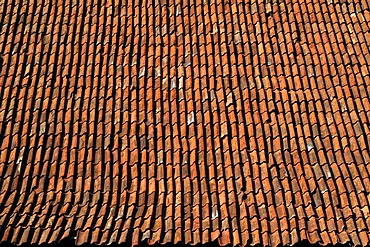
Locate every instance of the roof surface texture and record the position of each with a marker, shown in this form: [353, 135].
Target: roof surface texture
[239, 122]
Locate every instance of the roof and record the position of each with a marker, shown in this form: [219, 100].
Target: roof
[236, 122]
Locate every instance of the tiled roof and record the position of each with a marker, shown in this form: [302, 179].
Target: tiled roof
[240, 122]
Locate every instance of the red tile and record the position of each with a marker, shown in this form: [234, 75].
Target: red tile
[272, 137]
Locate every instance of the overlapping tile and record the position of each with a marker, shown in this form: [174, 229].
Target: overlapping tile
[241, 122]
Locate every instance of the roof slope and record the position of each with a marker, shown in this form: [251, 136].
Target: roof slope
[242, 122]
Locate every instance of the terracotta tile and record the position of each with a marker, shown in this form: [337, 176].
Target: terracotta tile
[205, 126]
